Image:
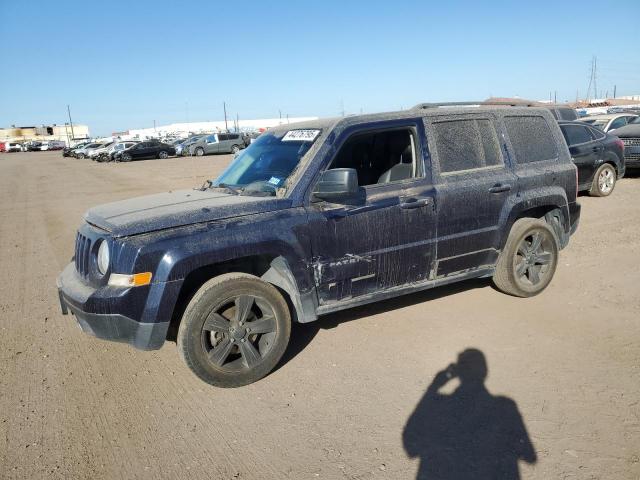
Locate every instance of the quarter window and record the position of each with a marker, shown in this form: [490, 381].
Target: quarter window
[466, 145]
[575, 135]
[531, 139]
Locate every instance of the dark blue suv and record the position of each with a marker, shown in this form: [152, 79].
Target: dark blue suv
[321, 216]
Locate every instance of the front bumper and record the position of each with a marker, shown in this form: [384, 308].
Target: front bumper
[97, 312]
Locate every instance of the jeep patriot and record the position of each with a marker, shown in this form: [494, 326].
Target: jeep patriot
[320, 216]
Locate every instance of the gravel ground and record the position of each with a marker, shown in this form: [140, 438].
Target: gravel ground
[349, 401]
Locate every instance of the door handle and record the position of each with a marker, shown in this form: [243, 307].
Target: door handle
[413, 202]
[499, 188]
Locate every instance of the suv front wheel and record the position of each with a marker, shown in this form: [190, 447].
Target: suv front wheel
[234, 330]
[528, 261]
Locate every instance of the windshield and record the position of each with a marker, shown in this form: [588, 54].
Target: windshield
[266, 163]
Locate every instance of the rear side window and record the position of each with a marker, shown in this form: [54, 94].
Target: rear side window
[531, 139]
[597, 134]
[466, 145]
[567, 114]
[575, 135]
[223, 136]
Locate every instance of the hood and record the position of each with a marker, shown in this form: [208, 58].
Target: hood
[176, 209]
[627, 131]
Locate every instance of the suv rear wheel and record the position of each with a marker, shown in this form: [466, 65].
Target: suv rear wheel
[234, 330]
[603, 181]
[199, 152]
[529, 259]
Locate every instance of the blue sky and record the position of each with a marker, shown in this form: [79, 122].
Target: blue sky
[123, 65]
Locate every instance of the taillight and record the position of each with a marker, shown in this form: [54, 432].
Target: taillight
[619, 143]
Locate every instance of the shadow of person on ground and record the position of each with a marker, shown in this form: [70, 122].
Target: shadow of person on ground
[468, 434]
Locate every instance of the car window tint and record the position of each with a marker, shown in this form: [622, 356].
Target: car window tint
[531, 138]
[597, 133]
[575, 135]
[618, 122]
[567, 114]
[466, 145]
[211, 138]
[222, 137]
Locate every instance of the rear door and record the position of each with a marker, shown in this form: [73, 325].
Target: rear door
[585, 151]
[472, 183]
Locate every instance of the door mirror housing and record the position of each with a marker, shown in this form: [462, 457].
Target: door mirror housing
[337, 184]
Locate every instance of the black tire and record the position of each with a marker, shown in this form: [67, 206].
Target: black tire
[230, 354]
[529, 259]
[80, 155]
[235, 149]
[199, 152]
[125, 157]
[163, 154]
[604, 181]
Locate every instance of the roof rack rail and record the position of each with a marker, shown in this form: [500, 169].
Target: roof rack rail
[482, 103]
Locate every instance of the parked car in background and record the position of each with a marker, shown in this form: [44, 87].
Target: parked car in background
[321, 216]
[51, 145]
[142, 150]
[217, 143]
[599, 157]
[82, 151]
[183, 148]
[93, 153]
[13, 147]
[67, 151]
[33, 146]
[117, 147]
[630, 136]
[609, 122]
[3, 147]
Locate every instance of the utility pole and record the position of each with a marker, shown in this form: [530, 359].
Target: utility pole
[555, 96]
[614, 91]
[237, 123]
[154, 125]
[226, 127]
[70, 122]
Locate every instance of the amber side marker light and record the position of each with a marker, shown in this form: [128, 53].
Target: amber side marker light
[135, 280]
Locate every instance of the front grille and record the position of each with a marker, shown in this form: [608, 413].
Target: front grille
[631, 141]
[83, 249]
[632, 157]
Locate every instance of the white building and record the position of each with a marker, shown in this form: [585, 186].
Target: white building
[186, 129]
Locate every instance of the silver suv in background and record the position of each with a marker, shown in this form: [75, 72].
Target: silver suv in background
[217, 143]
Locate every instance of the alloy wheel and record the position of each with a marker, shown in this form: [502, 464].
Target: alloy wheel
[533, 258]
[238, 334]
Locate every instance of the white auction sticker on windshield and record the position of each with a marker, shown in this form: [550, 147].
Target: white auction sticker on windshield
[300, 135]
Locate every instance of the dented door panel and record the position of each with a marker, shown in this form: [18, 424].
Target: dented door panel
[370, 246]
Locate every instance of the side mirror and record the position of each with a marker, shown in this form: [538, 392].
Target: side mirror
[337, 184]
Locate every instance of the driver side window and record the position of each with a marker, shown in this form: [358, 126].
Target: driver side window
[380, 157]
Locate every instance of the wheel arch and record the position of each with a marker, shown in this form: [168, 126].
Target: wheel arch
[553, 210]
[273, 269]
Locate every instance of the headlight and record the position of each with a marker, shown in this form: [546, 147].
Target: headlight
[103, 257]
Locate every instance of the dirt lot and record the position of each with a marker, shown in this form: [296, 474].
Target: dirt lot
[72, 406]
